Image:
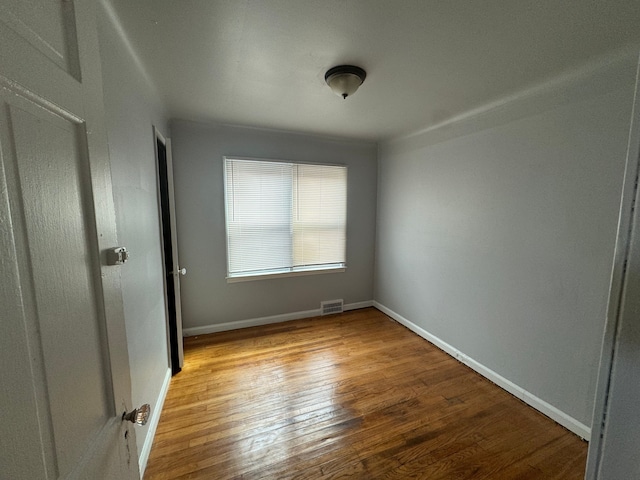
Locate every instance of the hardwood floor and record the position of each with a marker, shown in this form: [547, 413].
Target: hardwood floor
[354, 395]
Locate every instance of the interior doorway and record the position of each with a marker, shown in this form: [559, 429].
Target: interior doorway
[172, 270]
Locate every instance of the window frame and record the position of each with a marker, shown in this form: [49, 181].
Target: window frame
[295, 271]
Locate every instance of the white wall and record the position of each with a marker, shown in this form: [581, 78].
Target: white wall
[496, 233]
[131, 110]
[207, 298]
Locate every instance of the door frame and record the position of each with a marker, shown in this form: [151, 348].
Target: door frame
[175, 348]
[615, 312]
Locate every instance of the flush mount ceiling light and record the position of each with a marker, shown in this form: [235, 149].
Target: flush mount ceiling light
[344, 80]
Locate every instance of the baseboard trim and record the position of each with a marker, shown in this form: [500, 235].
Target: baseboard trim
[357, 305]
[255, 322]
[143, 456]
[543, 407]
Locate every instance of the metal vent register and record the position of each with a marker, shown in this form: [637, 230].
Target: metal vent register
[331, 306]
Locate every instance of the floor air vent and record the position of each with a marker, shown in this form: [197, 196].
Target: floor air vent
[331, 306]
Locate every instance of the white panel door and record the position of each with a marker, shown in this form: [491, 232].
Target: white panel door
[64, 362]
[178, 271]
[173, 272]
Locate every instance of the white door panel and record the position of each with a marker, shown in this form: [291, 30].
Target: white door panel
[63, 275]
[51, 30]
[33, 65]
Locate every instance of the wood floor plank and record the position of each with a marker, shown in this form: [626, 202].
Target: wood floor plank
[355, 396]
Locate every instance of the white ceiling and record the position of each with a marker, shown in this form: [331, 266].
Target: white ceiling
[261, 63]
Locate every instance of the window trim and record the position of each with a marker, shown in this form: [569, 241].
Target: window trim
[296, 273]
[285, 272]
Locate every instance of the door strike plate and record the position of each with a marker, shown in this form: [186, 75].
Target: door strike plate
[117, 256]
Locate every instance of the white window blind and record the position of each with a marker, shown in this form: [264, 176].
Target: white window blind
[284, 217]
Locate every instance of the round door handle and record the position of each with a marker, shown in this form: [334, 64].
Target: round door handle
[139, 416]
[182, 271]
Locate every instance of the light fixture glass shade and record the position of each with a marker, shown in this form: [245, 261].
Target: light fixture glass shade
[344, 80]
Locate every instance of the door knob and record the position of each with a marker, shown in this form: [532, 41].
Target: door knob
[181, 271]
[139, 416]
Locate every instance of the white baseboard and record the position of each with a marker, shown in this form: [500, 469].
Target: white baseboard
[143, 456]
[254, 322]
[357, 305]
[547, 409]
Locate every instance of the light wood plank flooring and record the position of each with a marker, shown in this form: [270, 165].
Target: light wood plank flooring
[354, 395]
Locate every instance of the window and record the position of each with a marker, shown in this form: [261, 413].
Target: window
[284, 218]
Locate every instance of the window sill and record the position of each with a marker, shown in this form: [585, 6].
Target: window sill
[297, 273]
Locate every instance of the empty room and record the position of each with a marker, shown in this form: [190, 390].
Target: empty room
[278, 239]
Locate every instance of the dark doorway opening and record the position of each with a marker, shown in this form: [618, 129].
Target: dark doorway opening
[163, 180]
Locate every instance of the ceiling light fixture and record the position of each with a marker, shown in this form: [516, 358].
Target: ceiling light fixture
[344, 80]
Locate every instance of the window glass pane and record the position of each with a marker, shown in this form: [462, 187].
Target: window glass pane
[320, 216]
[284, 217]
[259, 215]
